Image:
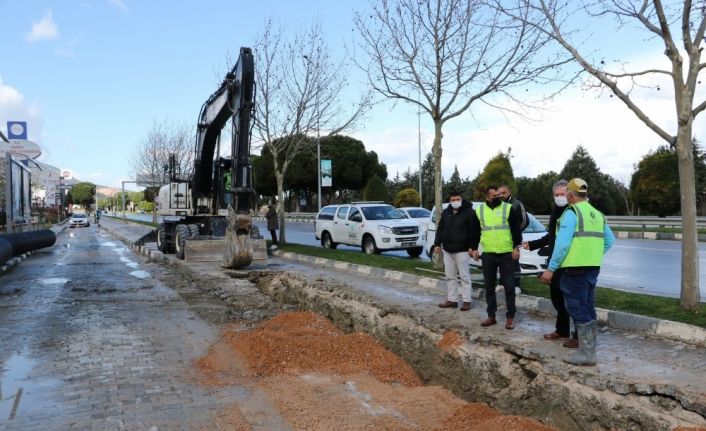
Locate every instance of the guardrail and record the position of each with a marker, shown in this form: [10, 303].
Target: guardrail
[643, 222]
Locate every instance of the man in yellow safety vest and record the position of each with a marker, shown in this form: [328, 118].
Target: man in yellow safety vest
[496, 225]
[583, 236]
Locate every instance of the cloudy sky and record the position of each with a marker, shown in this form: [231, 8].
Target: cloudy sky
[91, 77]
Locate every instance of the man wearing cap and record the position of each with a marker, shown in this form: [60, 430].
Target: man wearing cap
[582, 238]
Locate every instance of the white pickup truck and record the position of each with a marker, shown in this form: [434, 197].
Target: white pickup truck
[374, 227]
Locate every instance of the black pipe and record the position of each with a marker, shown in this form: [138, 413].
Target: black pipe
[22, 242]
[5, 250]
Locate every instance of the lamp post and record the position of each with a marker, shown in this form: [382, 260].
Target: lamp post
[318, 141]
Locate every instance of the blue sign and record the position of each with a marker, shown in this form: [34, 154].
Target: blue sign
[17, 130]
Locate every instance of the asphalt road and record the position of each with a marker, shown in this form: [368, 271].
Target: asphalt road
[634, 265]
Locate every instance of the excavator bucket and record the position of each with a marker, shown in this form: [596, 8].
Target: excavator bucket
[243, 242]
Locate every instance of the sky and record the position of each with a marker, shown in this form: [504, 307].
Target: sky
[91, 77]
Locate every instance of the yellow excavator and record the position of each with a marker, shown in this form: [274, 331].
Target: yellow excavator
[207, 215]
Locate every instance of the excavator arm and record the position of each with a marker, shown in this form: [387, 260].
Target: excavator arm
[233, 99]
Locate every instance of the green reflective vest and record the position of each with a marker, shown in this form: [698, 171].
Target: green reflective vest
[587, 246]
[495, 228]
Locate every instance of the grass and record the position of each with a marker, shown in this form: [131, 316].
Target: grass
[611, 299]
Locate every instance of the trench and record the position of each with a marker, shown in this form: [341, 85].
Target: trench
[480, 369]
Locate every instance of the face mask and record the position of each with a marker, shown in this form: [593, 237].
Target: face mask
[561, 201]
[495, 202]
[456, 205]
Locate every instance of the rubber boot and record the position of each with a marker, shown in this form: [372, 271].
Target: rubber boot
[586, 353]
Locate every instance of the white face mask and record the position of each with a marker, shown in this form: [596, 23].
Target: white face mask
[561, 201]
[456, 205]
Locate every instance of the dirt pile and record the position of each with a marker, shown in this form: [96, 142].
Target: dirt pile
[319, 378]
[304, 342]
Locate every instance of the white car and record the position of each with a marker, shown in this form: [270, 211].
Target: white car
[79, 220]
[421, 215]
[374, 227]
[530, 261]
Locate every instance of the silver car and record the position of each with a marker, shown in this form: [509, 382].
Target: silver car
[79, 220]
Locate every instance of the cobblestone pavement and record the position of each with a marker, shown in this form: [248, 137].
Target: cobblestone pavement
[90, 339]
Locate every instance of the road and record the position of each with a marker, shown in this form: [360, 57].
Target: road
[633, 265]
[93, 337]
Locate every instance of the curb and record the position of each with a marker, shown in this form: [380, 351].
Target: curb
[14, 262]
[152, 255]
[309, 220]
[648, 326]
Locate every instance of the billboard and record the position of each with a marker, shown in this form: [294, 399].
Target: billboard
[20, 149]
[326, 173]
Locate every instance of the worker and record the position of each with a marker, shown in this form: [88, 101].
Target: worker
[227, 184]
[562, 328]
[582, 239]
[506, 195]
[453, 238]
[496, 226]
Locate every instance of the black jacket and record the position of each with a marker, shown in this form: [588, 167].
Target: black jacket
[454, 231]
[548, 239]
[515, 221]
[520, 208]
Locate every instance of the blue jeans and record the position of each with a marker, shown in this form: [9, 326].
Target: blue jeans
[579, 289]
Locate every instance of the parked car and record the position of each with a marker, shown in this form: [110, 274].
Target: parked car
[79, 220]
[530, 261]
[421, 215]
[374, 227]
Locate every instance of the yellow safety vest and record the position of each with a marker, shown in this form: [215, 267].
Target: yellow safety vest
[495, 228]
[587, 246]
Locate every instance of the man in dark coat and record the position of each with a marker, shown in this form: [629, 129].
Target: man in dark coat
[272, 221]
[453, 237]
[562, 329]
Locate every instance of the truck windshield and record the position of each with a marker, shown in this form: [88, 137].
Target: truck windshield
[382, 212]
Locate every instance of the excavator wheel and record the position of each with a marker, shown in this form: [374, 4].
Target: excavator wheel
[194, 230]
[162, 243]
[182, 233]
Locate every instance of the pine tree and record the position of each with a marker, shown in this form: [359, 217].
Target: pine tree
[581, 165]
[498, 171]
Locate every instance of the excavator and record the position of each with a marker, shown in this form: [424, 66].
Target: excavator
[207, 214]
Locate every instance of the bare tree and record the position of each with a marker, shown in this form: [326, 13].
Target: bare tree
[300, 89]
[446, 55]
[152, 156]
[679, 28]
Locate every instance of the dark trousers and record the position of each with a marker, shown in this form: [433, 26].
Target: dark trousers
[518, 270]
[273, 232]
[491, 263]
[563, 320]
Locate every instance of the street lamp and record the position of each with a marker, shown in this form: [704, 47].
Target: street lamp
[318, 141]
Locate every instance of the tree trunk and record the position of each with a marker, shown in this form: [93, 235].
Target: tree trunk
[436, 152]
[280, 206]
[690, 295]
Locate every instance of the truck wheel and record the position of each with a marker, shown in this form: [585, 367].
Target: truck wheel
[415, 251]
[194, 230]
[369, 246]
[182, 233]
[162, 243]
[326, 241]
